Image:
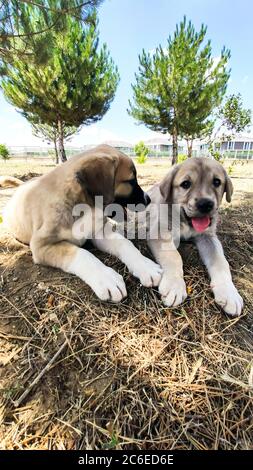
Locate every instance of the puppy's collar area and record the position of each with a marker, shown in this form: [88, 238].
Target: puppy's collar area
[199, 224]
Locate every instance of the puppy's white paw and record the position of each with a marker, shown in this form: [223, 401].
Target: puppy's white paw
[172, 290]
[227, 296]
[147, 271]
[108, 285]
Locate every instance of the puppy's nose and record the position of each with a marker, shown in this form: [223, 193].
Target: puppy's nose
[205, 205]
[147, 199]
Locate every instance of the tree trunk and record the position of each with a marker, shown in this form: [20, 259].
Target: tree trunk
[189, 147]
[56, 151]
[61, 142]
[174, 146]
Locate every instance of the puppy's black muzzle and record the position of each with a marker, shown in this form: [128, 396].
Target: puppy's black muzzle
[137, 197]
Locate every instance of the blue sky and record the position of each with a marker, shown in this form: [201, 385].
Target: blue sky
[127, 26]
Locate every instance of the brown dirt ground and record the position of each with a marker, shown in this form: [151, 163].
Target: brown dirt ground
[134, 375]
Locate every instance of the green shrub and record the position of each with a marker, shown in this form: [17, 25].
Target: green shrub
[141, 159]
[181, 158]
[4, 152]
[141, 152]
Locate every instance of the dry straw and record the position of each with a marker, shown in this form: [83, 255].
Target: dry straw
[92, 375]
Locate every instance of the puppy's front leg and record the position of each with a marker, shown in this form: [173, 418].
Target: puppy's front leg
[225, 293]
[106, 283]
[172, 286]
[141, 267]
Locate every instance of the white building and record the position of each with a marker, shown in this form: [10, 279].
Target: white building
[162, 145]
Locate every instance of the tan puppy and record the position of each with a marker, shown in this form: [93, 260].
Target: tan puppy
[9, 182]
[197, 185]
[41, 214]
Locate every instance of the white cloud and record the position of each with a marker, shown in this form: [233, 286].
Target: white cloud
[245, 79]
[18, 133]
[150, 135]
[93, 135]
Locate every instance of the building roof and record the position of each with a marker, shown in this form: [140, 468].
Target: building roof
[227, 138]
[242, 138]
[166, 140]
[117, 143]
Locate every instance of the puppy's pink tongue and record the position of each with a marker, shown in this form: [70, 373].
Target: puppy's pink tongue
[200, 223]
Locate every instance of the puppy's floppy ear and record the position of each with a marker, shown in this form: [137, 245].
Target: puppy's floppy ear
[228, 188]
[167, 182]
[97, 177]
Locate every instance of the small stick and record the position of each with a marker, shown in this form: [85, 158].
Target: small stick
[9, 336]
[36, 380]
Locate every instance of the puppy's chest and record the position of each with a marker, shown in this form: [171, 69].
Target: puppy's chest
[186, 232]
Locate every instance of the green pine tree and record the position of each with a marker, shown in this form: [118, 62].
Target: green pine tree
[178, 88]
[75, 87]
[26, 26]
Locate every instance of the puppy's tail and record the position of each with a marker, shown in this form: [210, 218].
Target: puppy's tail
[9, 182]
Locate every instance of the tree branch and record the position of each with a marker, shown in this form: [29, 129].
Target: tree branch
[63, 11]
[57, 10]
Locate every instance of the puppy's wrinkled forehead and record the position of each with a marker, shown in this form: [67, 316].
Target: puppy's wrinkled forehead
[201, 170]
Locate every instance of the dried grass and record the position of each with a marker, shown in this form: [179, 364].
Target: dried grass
[135, 375]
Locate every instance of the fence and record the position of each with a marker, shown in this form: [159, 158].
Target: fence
[238, 154]
[47, 153]
[234, 154]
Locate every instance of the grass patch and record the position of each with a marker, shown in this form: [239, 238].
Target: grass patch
[131, 376]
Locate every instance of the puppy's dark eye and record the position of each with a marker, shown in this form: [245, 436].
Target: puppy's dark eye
[132, 182]
[186, 184]
[216, 182]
